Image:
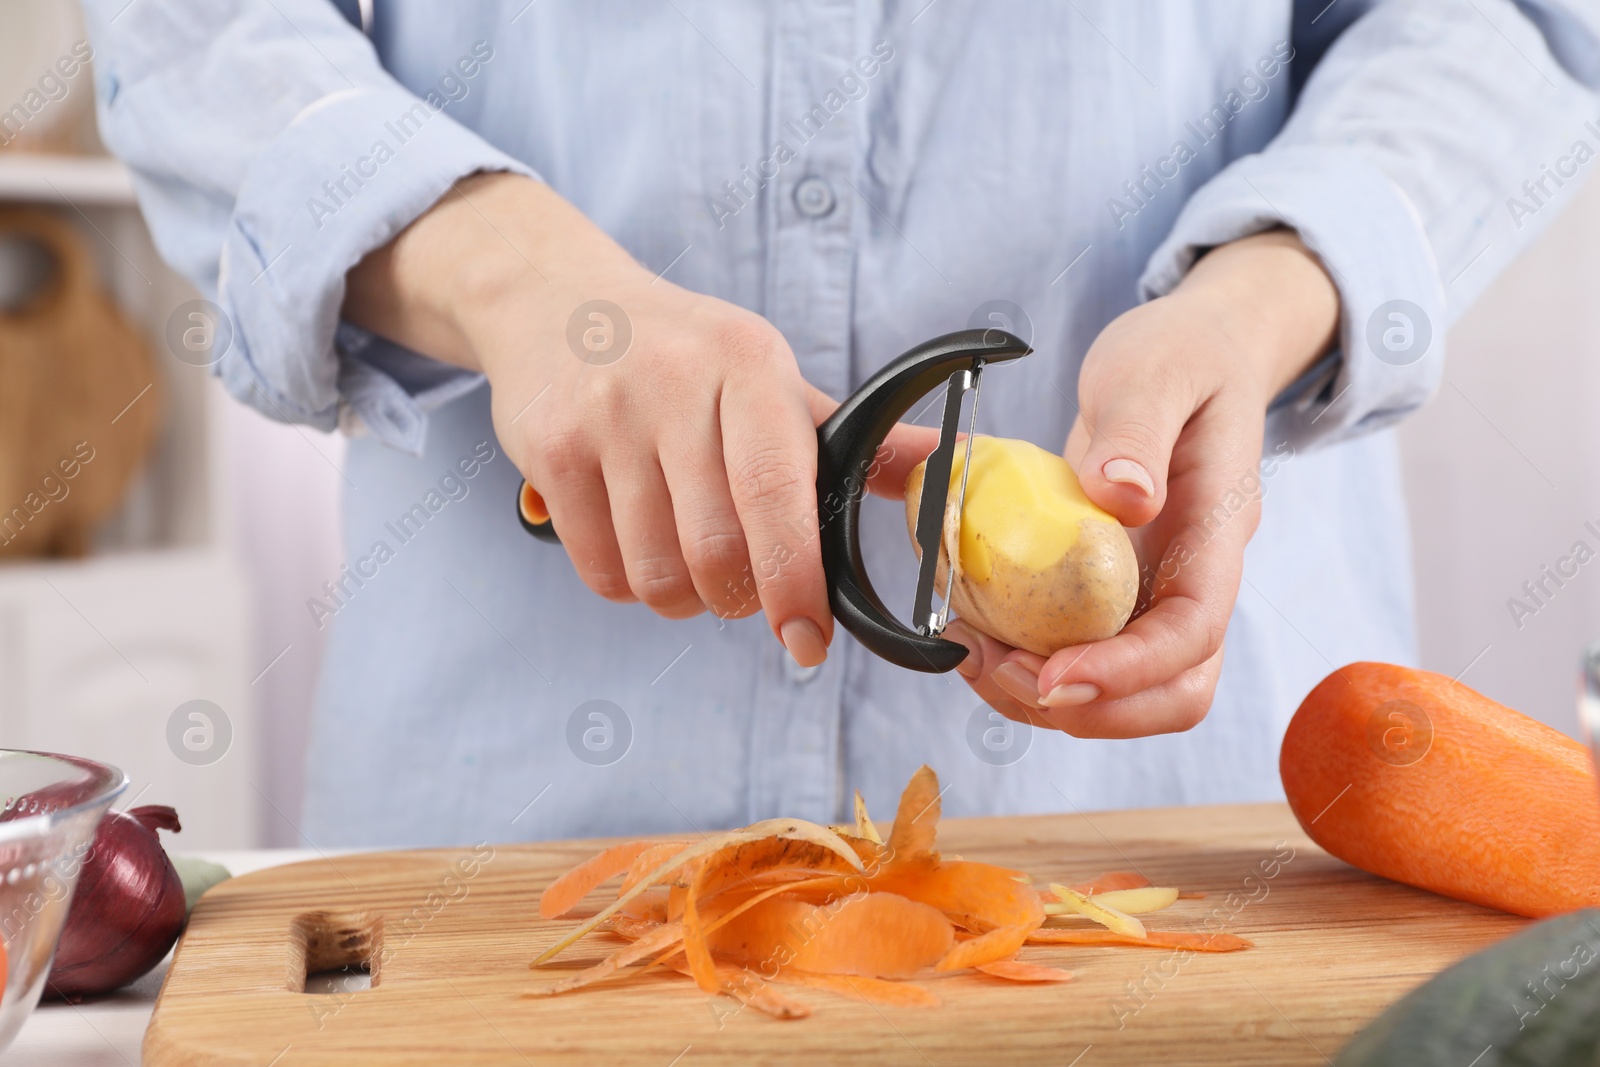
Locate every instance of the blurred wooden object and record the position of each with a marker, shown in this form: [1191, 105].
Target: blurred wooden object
[46, 88]
[97, 653]
[80, 399]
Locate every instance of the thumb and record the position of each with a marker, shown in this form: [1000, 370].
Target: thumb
[1121, 444]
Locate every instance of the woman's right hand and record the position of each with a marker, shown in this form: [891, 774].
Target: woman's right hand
[670, 433]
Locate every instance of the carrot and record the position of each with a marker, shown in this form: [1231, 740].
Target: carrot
[649, 860]
[748, 864]
[874, 935]
[630, 927]
[837, 909]
[652, 904]
[753, 863]
[759, 995]
[917, 820]
[741, 866]
[648, 943]
[1415, 777]
[978, 896]
[1151, 939]
[795, 828]
[563, 894]
[750, 988]
[1017, 971]
[998, 944]
[796, 890]
[701, 966]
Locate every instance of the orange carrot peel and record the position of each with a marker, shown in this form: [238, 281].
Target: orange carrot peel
[841, 909]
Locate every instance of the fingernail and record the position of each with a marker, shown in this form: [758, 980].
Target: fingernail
[1021, 683]
[804, 641]
[1069, 696]
[970, 666]
[1129, 472]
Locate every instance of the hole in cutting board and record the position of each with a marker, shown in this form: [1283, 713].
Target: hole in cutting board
[339, 981]
[334, 952]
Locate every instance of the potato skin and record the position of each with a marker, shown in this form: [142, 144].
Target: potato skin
[1087, 596]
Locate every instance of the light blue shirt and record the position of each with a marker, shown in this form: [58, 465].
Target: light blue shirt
[866, 175]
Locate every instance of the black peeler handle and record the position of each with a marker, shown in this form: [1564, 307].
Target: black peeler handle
[847, 448]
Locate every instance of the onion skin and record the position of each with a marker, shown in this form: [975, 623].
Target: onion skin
[127, 910]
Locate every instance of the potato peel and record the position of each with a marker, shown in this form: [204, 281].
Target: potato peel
[1089, 908]
[864, 825]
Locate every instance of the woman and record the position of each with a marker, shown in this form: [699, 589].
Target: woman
[670, 236]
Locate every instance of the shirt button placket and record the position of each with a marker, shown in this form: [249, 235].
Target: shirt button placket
[810, 264]
[813, 198]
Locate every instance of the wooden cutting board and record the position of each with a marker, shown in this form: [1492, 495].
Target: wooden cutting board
[454, 930]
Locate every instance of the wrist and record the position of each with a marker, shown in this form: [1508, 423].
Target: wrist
[497, 248]
[1273, 299]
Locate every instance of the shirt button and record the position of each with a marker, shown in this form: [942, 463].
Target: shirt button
[814, 198]
[798, 674]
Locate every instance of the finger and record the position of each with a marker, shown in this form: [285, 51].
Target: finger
[1176, 705]
[984, 654]
[581, 510]
[770, 456]
[1177, 632]
[709, 534]
[1121, 442]
[647, 536]
[820, 404]
[906, 445]
[1195, 581]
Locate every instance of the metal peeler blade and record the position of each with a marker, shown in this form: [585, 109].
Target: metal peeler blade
[936, 495]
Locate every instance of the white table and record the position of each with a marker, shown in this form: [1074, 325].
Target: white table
[108, 1031]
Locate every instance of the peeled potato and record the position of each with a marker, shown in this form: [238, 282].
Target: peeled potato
[1039, 566]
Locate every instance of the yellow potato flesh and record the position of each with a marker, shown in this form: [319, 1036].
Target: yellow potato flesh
[1089, 908]
[1139, 901]
[1022, 503]
[1038, 565]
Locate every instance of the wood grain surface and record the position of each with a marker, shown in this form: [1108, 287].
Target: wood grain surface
[451, 932]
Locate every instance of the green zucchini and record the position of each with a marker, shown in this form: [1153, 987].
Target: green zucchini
[1533, 1000]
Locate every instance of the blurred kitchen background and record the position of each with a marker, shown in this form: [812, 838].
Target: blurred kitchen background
[178, 644]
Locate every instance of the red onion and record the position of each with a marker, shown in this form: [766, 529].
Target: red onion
[128, 908]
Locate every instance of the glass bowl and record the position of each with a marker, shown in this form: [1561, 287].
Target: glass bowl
[49, 808]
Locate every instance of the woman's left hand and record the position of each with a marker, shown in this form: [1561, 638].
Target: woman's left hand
[1168, 438]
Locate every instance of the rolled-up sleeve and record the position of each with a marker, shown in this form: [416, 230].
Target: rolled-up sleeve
[271, 153]
[1404, 168]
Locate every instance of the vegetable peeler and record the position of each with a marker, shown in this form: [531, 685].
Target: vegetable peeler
[847, 447]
